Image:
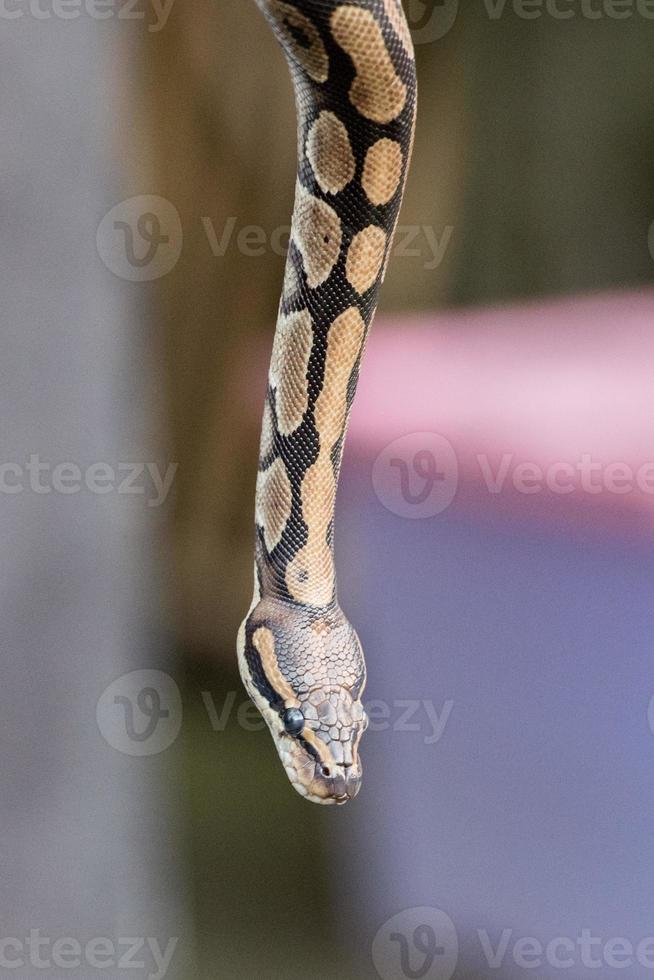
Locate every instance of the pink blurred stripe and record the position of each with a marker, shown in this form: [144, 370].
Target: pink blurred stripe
[542, 383]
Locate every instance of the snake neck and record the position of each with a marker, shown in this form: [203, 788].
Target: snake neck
[296, 491]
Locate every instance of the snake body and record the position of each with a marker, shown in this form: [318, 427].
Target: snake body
[301, 661]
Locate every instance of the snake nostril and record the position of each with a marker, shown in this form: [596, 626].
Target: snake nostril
[325, 771]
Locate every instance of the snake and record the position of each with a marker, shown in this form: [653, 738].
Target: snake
[352, 67]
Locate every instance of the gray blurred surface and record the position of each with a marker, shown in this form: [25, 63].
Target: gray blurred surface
[88, 845]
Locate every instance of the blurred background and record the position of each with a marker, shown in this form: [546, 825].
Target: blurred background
[505, 606]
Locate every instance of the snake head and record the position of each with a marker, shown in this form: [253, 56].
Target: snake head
[305, 672]
[319, 746]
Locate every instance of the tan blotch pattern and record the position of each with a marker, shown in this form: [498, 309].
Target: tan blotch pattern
[364, 257]
[273, 502]
[382, 170]
[377, 91]
[263, 641]
[291, 280]
[310, 575]
[267, 432]
[310, 54]
[288, 369]
[330, 153]
[394, 12]
[317, 235]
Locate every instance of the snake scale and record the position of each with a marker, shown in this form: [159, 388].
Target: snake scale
[353, 73]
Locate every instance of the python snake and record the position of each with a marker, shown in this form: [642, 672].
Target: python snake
[353, 73]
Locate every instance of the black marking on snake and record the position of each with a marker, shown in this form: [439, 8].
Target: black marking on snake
[297, 34]
[260, 678]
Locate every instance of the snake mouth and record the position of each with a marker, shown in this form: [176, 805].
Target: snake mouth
[326, 800]
[338, 788]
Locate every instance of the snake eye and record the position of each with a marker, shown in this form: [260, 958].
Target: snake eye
[293, 721]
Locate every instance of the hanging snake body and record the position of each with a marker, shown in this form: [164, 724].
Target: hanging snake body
[301, 661]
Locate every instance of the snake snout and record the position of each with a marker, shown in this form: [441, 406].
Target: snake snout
[353, 782]
[338, 783]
